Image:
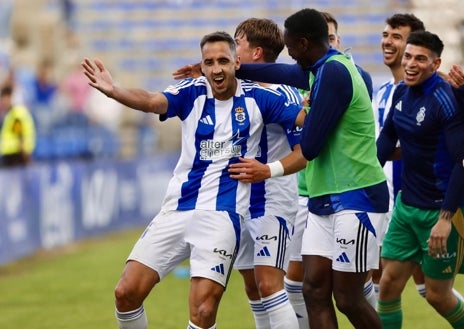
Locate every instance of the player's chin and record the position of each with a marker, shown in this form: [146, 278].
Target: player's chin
[411, 80]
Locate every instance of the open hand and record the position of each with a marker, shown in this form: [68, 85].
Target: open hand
[99, 77]
[187, 71]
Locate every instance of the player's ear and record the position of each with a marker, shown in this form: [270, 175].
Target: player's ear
[437, 63]
[258, 53]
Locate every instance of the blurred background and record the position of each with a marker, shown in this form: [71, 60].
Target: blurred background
[143, 41]
[97, 164]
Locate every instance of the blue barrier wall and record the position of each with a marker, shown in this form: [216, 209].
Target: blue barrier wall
[47, 205]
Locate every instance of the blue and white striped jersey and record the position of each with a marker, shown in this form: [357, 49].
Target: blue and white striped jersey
[273, 196]
[383, 100]
[382, 105]
[214, 134]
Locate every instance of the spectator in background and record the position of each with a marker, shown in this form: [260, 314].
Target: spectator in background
[6, 11]
[22, 89]
[17, 135]
[45, 87]
[43, 97]
[103, 111]
[76, 90]
[104, 117]
[68, 8]
[4, 62]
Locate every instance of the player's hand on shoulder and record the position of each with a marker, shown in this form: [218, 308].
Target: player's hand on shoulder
[456, 76]
[187, 71]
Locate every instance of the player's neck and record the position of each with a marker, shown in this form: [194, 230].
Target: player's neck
[397, 74]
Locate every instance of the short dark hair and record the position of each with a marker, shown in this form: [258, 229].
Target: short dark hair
[218, 36]
[427, 40]
[410, 20]
[264, 33]
[330, 19]
[7, 90]
[308, 23]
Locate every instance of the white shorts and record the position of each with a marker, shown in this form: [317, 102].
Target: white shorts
[349, 238]
[264, 242]
[388, 217]
[208, 237]
[294, 248]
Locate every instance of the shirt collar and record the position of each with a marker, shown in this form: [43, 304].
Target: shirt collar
[428, 85]
[323, 59]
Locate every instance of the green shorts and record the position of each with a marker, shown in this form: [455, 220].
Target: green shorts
[407, 235]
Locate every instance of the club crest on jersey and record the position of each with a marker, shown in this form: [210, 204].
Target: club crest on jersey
[240, 114]
[420, 116]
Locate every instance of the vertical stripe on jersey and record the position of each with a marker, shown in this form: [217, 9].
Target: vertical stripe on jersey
[258, 190]
[291, 94]
[240, 134]
[384, 103]
[191, 188]
[446, 103]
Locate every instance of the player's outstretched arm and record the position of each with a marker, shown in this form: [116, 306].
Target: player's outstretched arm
[138, 99]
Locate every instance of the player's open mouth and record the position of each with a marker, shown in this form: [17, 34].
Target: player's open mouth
[410, 73]
[219, 81]
[388, 53]
[410, 76]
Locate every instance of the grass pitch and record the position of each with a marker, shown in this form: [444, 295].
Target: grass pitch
[72, 288]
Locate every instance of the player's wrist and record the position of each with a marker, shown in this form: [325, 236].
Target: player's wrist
[277, 169]
[446, 215]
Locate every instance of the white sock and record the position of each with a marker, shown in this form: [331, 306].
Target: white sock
[369, 293]
[280, 311]
[192, 326]
[376, 289]
[421, 289]
[136, 319]
[458, 295]
[260, 315]
[295, 296]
